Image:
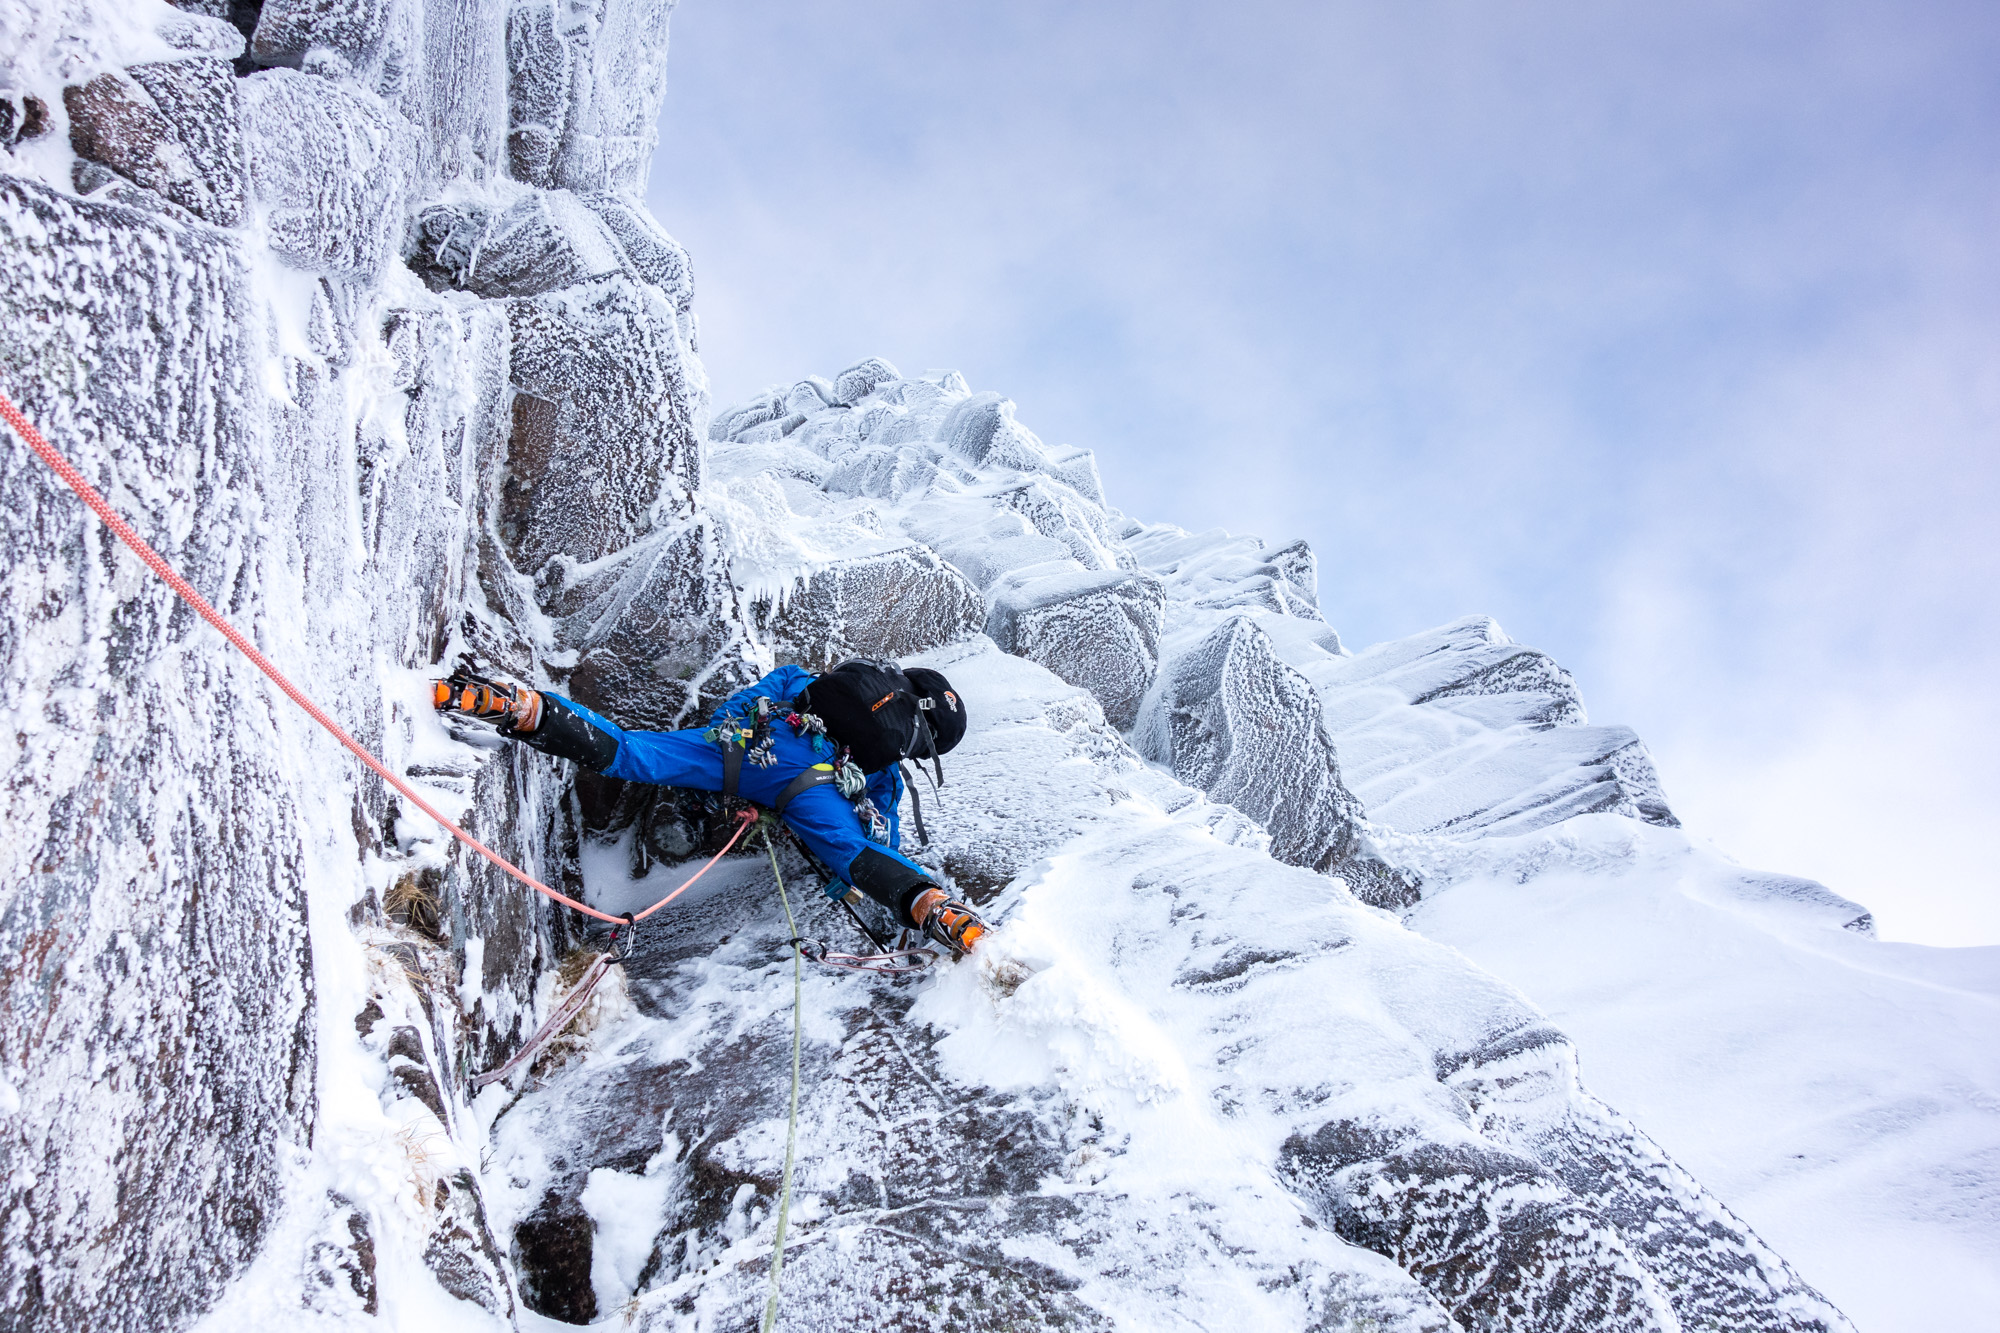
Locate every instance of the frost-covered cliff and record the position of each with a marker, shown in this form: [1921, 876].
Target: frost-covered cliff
[352, 305]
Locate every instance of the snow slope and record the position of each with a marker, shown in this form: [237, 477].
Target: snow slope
[1184, 1086]
[1841, 1092]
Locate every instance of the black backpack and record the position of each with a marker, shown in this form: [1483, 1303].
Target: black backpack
[883, 715]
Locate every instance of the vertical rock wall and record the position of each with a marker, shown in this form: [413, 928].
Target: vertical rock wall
[220, 299]
[156, 1035]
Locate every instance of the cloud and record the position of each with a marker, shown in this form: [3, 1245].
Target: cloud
[1667, 336]
[1887, 799]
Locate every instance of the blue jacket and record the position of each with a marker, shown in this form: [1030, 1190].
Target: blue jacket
[821, 816]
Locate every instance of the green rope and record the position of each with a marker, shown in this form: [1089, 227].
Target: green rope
[792, 1130]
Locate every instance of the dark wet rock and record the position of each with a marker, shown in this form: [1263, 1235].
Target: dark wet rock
[460, 1252]
[410, 1067]
[329, 165]
[1099, 630]
[1245, 727]
[884, 606]
[339, 1273]
[551, 1252]
[23, 116]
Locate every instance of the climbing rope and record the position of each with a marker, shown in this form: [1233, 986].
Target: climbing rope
[157, 563]
[792, 1127]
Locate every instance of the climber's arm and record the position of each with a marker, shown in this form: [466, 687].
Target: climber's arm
[885, 789]
[825, 822]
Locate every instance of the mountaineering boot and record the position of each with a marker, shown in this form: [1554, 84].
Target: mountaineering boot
[514, 707]
[947, 921]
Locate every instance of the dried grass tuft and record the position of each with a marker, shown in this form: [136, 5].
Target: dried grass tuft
[411, 901]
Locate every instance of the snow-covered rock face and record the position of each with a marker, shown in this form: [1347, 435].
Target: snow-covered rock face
[1186, 1086]
[1463, 729]
[354, 308]
[245, 984]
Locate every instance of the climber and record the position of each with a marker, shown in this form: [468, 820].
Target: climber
[821, 752]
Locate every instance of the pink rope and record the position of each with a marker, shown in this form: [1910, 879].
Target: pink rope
[157, 563]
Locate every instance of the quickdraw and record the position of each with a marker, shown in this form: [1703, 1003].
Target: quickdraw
[888, 962]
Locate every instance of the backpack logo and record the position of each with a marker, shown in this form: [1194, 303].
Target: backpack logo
[951, 699]
[876, 707]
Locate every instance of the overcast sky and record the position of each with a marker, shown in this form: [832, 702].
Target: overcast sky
[1667, 335]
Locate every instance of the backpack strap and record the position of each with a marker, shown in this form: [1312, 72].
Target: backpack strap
[816, 776]
[930, 741]
[916, 805]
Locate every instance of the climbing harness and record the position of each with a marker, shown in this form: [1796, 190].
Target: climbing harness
[792, 1125]
[186, 591]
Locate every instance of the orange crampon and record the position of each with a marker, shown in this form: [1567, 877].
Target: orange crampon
[511, 706]
[947, 921]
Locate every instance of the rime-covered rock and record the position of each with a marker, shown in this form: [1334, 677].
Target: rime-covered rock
[330, 167]
[288, 30]
[1180, 1019]
[654, 653]
[1181, 1083]
[650, 254]
[170, 126]
[584, 99]
[457, 96]
[1098, 629]
[889, 605]
[1222, 573]
[862, 378]
[543, 241]
[1461, 728]
[1244, 726]
[160, 984]
[597, 362]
